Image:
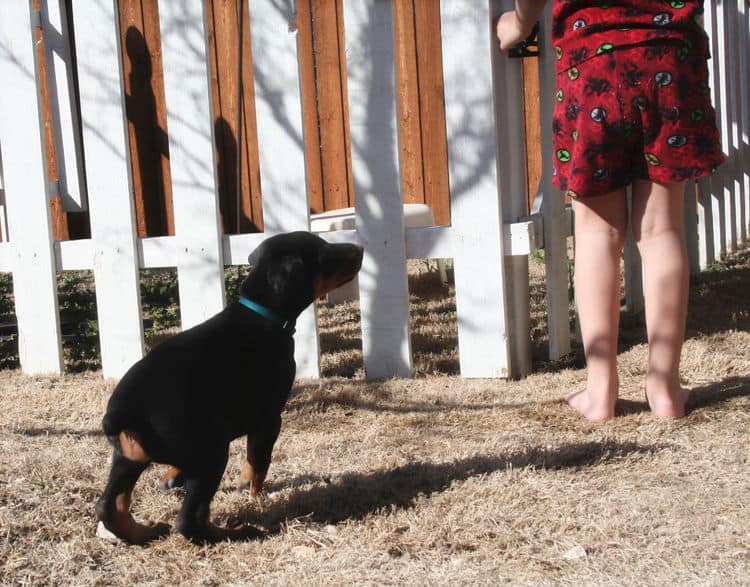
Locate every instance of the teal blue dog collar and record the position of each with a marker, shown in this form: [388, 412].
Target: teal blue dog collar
[287, 325]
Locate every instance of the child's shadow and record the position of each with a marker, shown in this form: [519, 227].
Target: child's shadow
[700, 397]
[353, 496]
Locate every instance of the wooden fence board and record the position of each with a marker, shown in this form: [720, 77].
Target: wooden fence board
[432, 109]
[108, 178]
[334, 150]
[384, 293]
[24, 180]
[223, 33]
[145, 107]
[278, 102]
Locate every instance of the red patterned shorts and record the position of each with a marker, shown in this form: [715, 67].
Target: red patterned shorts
[638, 113]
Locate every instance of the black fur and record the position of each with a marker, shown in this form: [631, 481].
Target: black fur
[227, 377]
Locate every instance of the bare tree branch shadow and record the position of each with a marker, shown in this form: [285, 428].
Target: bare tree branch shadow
[354, 496]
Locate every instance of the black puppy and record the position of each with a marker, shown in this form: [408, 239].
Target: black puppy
[230, 376]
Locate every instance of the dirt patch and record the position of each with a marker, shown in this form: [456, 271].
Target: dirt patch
[434, 480]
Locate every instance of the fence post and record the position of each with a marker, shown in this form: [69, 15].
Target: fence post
[553, 205]
[476, 214]
[108, 179]
[281, 147]
[29, 220]
[200, 266]
[384, 291]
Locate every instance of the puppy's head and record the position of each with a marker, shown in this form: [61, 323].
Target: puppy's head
[290, 270]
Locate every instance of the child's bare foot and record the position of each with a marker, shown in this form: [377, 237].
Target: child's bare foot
[590, 408]
[668, 403]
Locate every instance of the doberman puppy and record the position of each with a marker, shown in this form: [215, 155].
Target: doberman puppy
[184, 402]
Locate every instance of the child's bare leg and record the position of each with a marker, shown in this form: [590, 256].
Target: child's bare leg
[600, 226]
[659, 230]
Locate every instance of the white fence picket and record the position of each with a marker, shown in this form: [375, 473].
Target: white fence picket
[200, 265]
[723, 83]
[691, 227]
[29, 221]
[743, 90]
[712, 197]
[278, 103]
[62, 92]
[731, 42]
[111, 213]
[3, 208]
[511, 164]
[552, 206]
[706, 240]
[476, 214]
[384, 292]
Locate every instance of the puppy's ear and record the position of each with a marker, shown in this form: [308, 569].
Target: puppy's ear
[252, 258]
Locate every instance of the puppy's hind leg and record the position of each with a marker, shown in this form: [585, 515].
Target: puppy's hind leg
[171, 479]
[113, 507]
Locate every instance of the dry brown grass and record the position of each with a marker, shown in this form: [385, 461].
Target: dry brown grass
[434, 480]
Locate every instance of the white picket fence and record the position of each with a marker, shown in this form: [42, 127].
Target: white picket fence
[489, 239]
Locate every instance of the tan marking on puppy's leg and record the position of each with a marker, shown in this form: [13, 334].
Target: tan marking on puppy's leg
[130, 445]
[250, 478]
[122, 524]
[171, 479]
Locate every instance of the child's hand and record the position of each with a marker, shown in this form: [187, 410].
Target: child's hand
[510, 31]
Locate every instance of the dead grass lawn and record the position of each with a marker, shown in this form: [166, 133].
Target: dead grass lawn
[435, 480]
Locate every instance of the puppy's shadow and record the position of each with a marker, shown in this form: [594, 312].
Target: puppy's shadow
[353, 496]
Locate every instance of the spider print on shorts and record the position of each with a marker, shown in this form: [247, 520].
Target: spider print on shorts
[621, 116]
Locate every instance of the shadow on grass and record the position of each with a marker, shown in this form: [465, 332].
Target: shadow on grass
[36, 432]
[353, 396]
[353, 496]
[712, 394]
